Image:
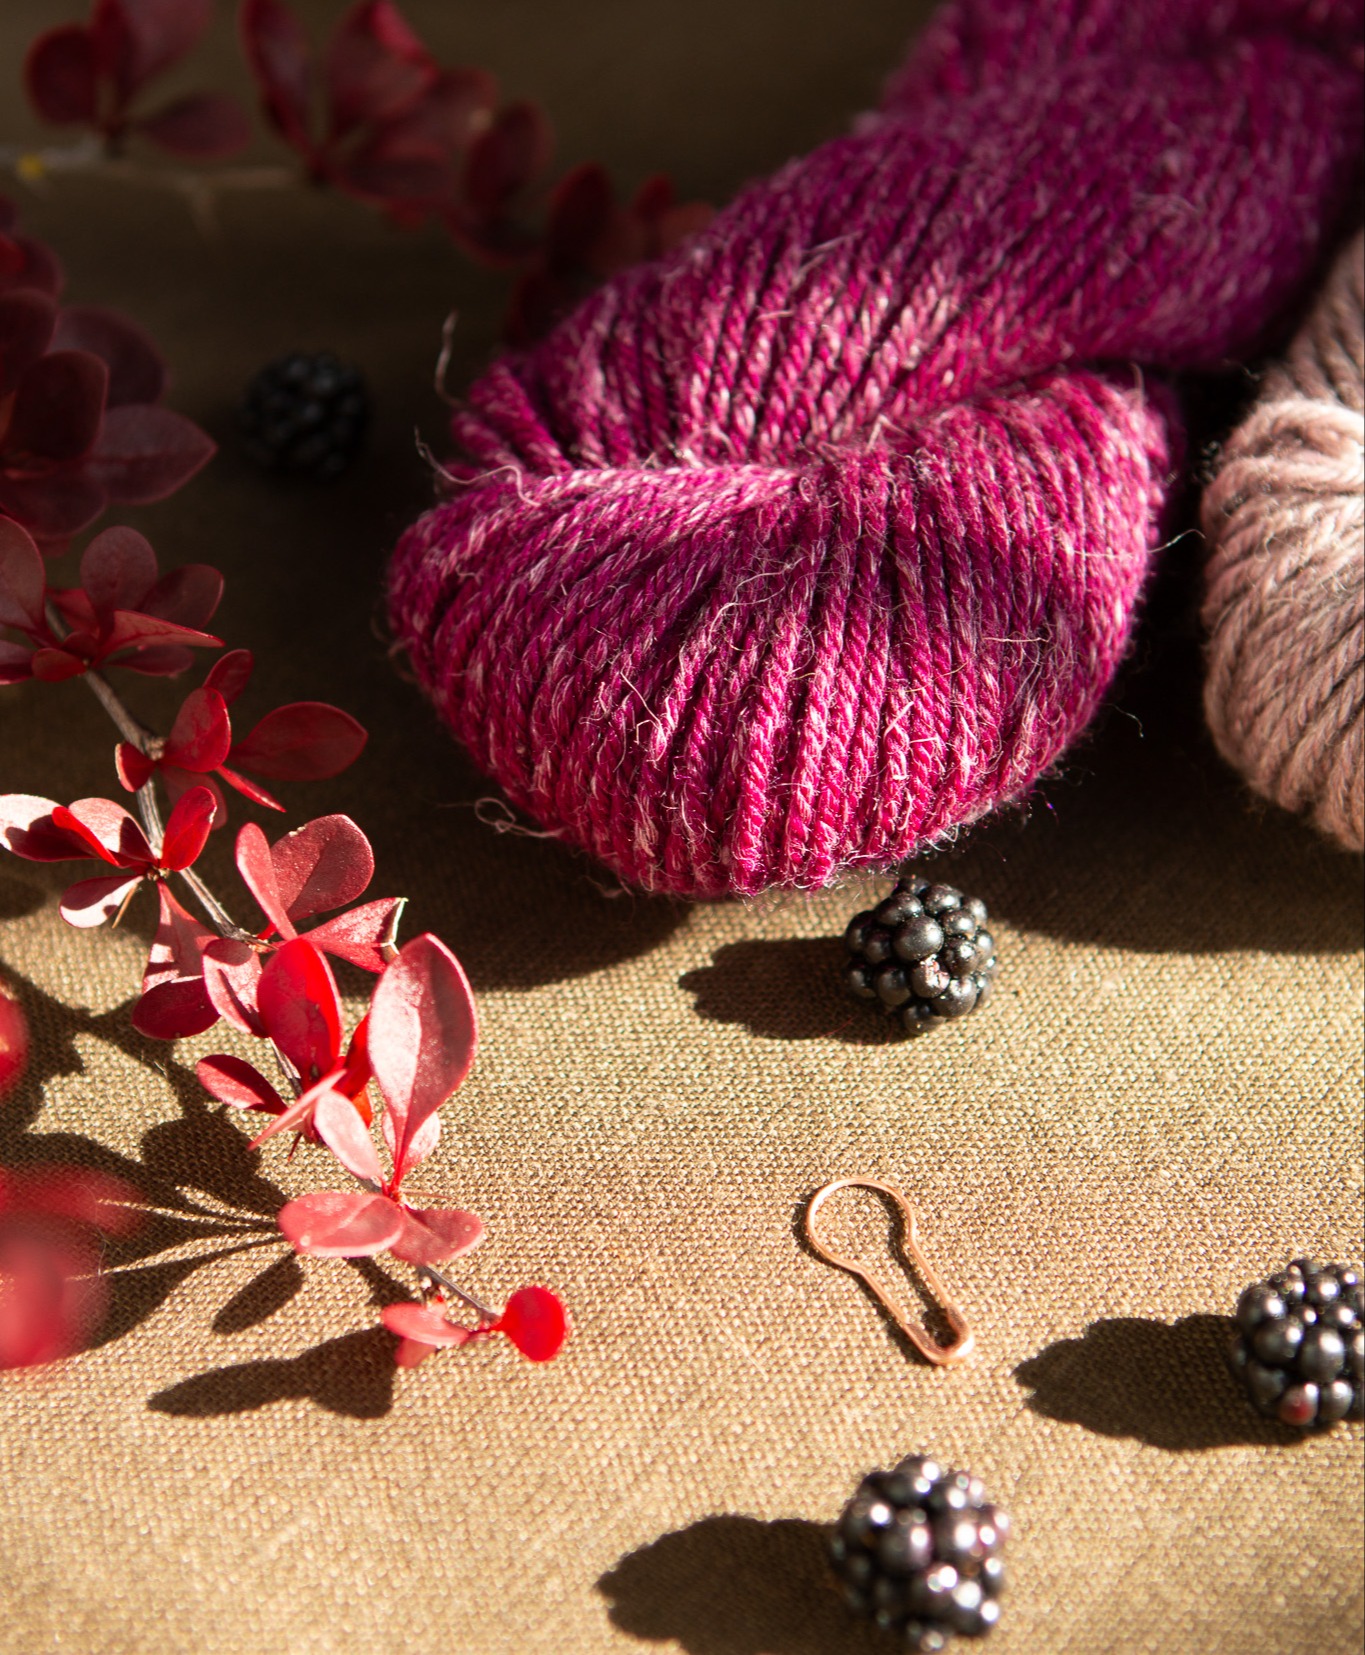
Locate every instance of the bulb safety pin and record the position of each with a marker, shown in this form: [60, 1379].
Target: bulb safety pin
[943, 1355]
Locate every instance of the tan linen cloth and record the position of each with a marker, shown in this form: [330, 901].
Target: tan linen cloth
[1162, 1103]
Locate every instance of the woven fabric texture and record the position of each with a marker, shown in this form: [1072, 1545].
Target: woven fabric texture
[1162, 1103]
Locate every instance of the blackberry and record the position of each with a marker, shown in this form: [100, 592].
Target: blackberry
[924, 952]
[1300, 1345]
[305, 415]
[918, 1549]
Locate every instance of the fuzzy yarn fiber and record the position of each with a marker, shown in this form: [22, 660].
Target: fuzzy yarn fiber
[821, 536]
[1285, 595]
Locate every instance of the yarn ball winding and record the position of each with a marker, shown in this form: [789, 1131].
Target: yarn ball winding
[1285, 587]
[822, 536]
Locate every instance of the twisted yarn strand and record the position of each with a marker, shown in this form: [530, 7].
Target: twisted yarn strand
[1285, 590]
[823, 535]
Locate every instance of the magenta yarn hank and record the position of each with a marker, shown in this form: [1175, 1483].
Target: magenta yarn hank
[822, 536]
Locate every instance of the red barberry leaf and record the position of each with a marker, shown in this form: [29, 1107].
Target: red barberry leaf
[187, 829]
[61, 76]
[278, 54]
[23, 580]
[92, 901]
[359, 934]
[434, 1235]
[339, 1126]
[423, 1034]
[232, 976]
[304, 741]
[27, 829]
[202, 734]
[424, 1325]
[175, 1002]
[449, 115]
[133, 630]
[298, 1117]
[174, 1010]
[51, 666]
[14, 1043]
[30, 264]
[144, 453]
[324, 864]
[158, 661]
[257, 868]
[248, 788]
[204, 126]
[375, 67]
[16, 663]
[230, 673]
[137, 372]
[414, 184]
[581, 209]
[189, 596]
[512, 150]
[134, 768]
[50, 1190]
[107, 831]
[300, 1009]
[145, 37]
[423, 1143]
[535, 1322]
[341, 1226]
[118, 569]
[53, 508]
[57, 407]
[237, 1084]
[52, 1297]
[27, 321]
[356, 1073]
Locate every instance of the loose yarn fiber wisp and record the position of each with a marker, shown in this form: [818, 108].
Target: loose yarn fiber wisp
[821, 536]
[1285, 589]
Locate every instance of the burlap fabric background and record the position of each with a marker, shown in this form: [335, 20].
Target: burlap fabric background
[1163, 1102]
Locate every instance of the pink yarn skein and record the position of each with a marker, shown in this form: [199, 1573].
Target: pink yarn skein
[822, 536]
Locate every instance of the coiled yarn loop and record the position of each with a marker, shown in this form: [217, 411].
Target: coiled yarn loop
[1285, 596]
[823, 535]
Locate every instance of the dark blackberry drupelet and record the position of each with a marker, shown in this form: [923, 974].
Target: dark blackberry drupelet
[918, 1550]
[305, 415]
[925, 953]
[1301, 1344]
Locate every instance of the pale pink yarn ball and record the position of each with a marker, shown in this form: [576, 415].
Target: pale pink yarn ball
[1285, 597]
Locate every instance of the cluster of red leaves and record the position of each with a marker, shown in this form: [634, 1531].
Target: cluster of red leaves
[121, 614]
[375, 115]
[90, 74]
[80, 388]
[399, 131]
[416, 1042]
[304, 741]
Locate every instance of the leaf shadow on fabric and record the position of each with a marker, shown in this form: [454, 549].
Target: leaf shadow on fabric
[1168, 1384]
[731, 1585]
[19, 897]
[352, 1375]
[205, 1197]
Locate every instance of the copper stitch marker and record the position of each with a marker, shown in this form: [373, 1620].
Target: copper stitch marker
[963, 1341]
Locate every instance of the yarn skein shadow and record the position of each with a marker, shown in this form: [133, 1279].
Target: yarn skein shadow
[822, 535]
[1284, 602]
